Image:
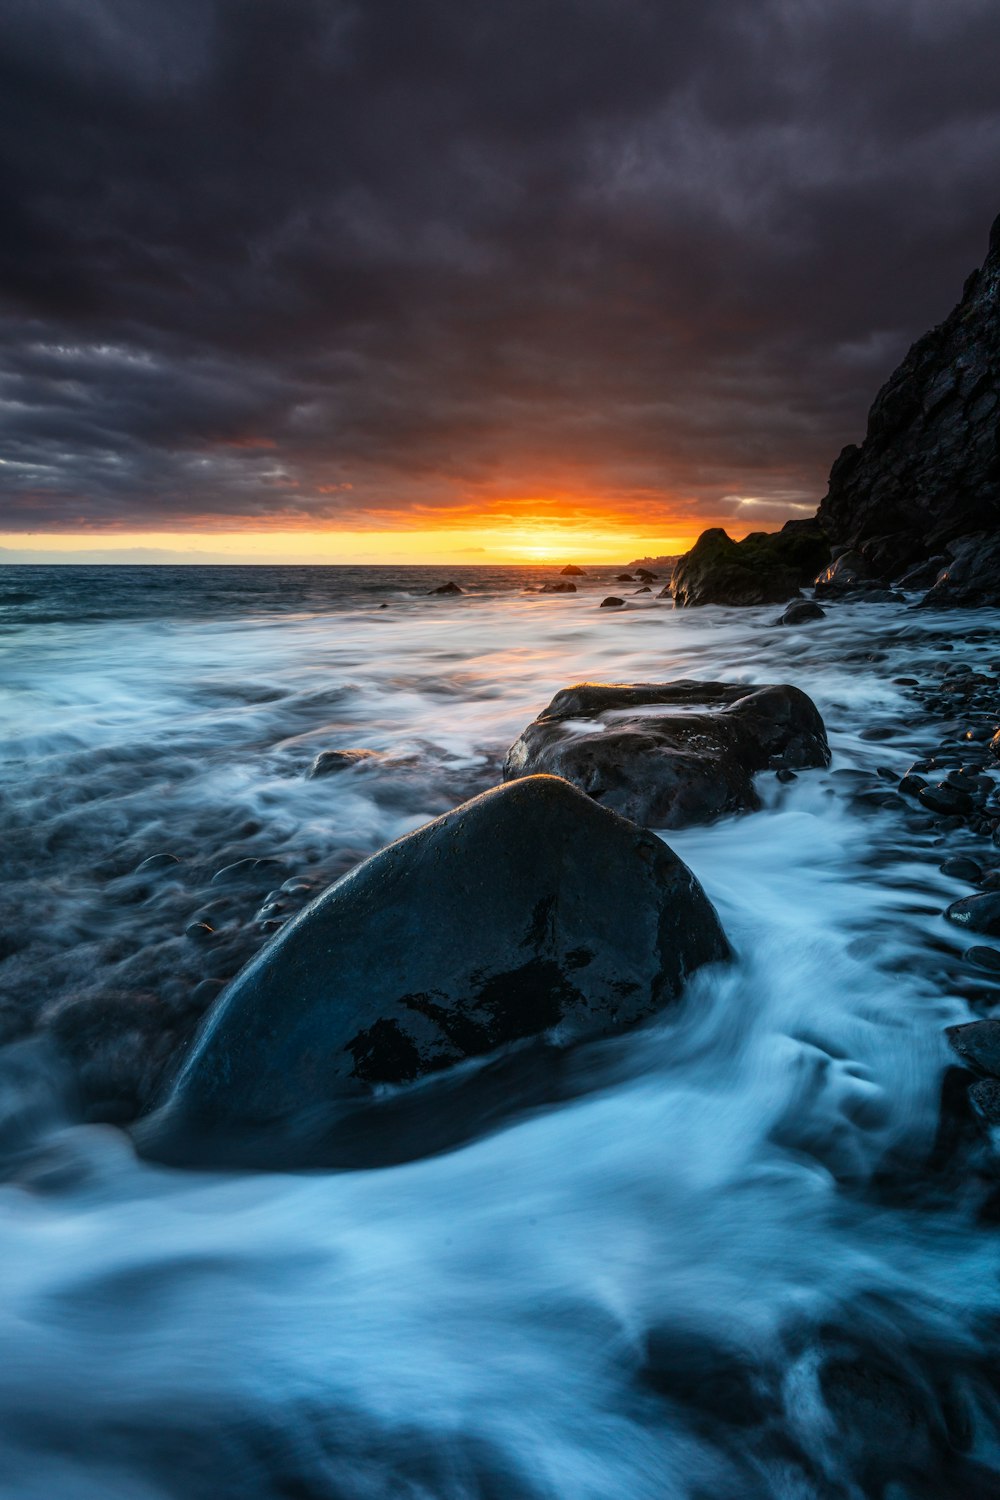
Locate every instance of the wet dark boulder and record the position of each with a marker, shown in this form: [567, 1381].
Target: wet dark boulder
[624, 578]
[800, 612]
[558, 588]
[846, 572]
[977, 913]
[445, 588]
[978, 1045]
[764, 568]
[572, 571]
[611, 602]
[670, 754]
[527, 912]
[971, 576]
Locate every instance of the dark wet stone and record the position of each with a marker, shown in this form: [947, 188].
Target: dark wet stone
[879, 732]
[558, 588]
[961, 868]
[199, 932]
[157, 862]
[946, 800]
[784, 774]
[911, 786]
[669, 769]
[493, 924]
[611, 602]
[646, 576]
[800, 612]
[445, 588]
[977, 913]
[329, 762]
[572, 571]
[984, 1097]
[978, 1044]
[625, 578]
[645, 590]
[984, 958]
[906, 681]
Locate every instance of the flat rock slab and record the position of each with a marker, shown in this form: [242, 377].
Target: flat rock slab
[527, 912]
[670, 754]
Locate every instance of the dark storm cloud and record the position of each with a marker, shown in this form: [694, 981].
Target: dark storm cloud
[304, 260]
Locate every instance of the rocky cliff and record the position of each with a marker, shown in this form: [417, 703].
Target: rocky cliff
[918, 502]
[926, 479]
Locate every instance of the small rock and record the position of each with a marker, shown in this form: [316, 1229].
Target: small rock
[644, 590]
[558, 588]
[572, 571]
[328, 762]
[879, 732]
[978, 1044]
[199, 932]
[785, 775]
[983, 958]
[984, 1097]
[625, 578]
[611, 602]
[962, 869]
[800, 611]
[945, 799]
[445, 588]
[911, 786]
[977, 913]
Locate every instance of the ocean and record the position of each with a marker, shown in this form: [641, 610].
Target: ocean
[724, 1270]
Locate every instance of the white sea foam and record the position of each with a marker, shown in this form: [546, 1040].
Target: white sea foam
[631, 1294]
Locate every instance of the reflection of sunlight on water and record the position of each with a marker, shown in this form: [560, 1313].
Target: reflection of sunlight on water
[477, 1324]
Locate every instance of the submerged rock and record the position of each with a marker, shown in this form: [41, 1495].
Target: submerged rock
[977, 913]
[329, 762]
[527, 911]
[445, 588]
[800, 612]
[670, 754]
[558, 588]
[611, 602]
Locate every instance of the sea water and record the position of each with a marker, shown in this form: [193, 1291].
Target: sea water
[724, 1271]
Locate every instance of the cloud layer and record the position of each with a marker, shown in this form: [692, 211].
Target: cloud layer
[309, 261]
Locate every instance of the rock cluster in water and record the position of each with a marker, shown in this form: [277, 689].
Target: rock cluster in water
[671, 754]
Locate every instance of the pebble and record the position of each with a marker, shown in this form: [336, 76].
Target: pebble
[960, 868]
[241, 868]
[983, 958]
[977, 913]
[199, 932]
[786, 775]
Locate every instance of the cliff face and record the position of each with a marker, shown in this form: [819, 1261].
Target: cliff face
[928, 471]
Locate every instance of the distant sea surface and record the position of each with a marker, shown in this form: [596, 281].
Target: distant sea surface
[691, 1281]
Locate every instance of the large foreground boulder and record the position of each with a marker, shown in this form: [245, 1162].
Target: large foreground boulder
[764, 568]
[670, 754]
[526, 912]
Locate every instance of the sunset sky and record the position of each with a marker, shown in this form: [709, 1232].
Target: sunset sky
[418, 280]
